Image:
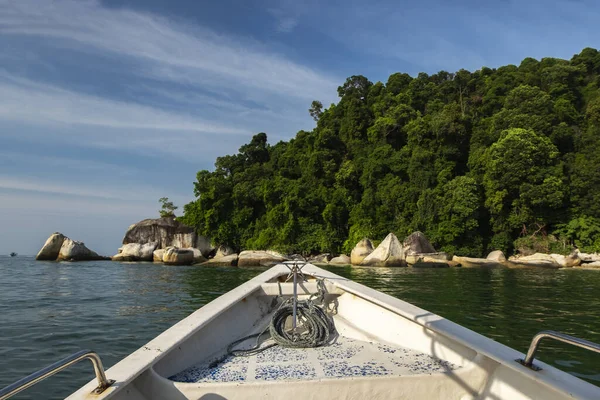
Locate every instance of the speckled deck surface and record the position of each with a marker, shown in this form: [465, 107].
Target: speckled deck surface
[343, 359]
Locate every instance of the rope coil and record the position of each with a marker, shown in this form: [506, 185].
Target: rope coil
[316, 329]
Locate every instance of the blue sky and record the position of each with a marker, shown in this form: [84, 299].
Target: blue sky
[105, 106]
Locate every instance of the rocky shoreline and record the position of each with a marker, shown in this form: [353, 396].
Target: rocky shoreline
[168, 241]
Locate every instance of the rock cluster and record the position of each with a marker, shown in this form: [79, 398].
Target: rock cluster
[164, 240]
[58, 247]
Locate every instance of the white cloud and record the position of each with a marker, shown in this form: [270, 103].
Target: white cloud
[25, 100]
[166, 49]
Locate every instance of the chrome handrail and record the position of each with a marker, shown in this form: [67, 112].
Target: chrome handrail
[58, 366]
[528, 361]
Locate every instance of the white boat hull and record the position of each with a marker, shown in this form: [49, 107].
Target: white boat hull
[386, 349]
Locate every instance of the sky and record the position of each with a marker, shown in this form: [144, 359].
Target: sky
[106, 106]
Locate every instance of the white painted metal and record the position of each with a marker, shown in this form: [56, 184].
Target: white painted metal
[475, 367]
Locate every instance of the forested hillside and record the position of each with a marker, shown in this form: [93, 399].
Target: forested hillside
[491, 159]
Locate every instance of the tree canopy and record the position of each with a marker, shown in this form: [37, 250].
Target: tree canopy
[477, 160]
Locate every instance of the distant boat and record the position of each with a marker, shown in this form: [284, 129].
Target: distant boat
[13, 254]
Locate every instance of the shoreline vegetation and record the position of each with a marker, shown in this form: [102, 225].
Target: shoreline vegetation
[496, 161]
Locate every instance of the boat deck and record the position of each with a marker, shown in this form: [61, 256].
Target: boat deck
[344, 358]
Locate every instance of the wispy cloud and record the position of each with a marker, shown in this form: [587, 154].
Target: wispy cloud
[131, 193]
[25, 100]
[168, 50]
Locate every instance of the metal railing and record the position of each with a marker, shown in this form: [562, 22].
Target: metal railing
[528, 361]
[58, 366]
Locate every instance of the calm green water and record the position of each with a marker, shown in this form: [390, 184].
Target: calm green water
[50, 310]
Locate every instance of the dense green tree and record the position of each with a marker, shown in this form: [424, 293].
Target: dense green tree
[477, 160]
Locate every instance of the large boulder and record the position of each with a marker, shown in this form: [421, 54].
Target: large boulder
[72, 250]
[253, 258]
[475, 262]
[497, 256]
[417, 243]
[51, 248]
[360, 251]
[166, 232]
[342, 259]
[136, 252]
[177, 256]
[230, 260]
[540, 260]
[388, 254]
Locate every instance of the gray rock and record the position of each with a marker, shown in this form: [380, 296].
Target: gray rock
[417, 243]
[320, 259]
[166, 232]
[198, 257]
[224, 261]
[254, 258]
[342, 259]
[361, 251]
[388, 254]
[177, 256]
[223, 251]
[76, 251]
[51, 248]
[496, 255]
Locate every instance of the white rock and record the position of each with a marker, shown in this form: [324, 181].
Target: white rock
[475, 262]
[361, 251]
[224, 261]
[496, 255]
[76, 251]
[588, 257]
[136, 252]
[416, 258]
[535, 260]
[593, 264]
[157, 255]
[431, 262]
[388, 254]
[51, 248]
[342, 259]
[177, 256]
[253, 258]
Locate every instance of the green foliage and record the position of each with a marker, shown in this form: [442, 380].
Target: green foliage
[167, 209]
[492, 159]
[582, 232]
